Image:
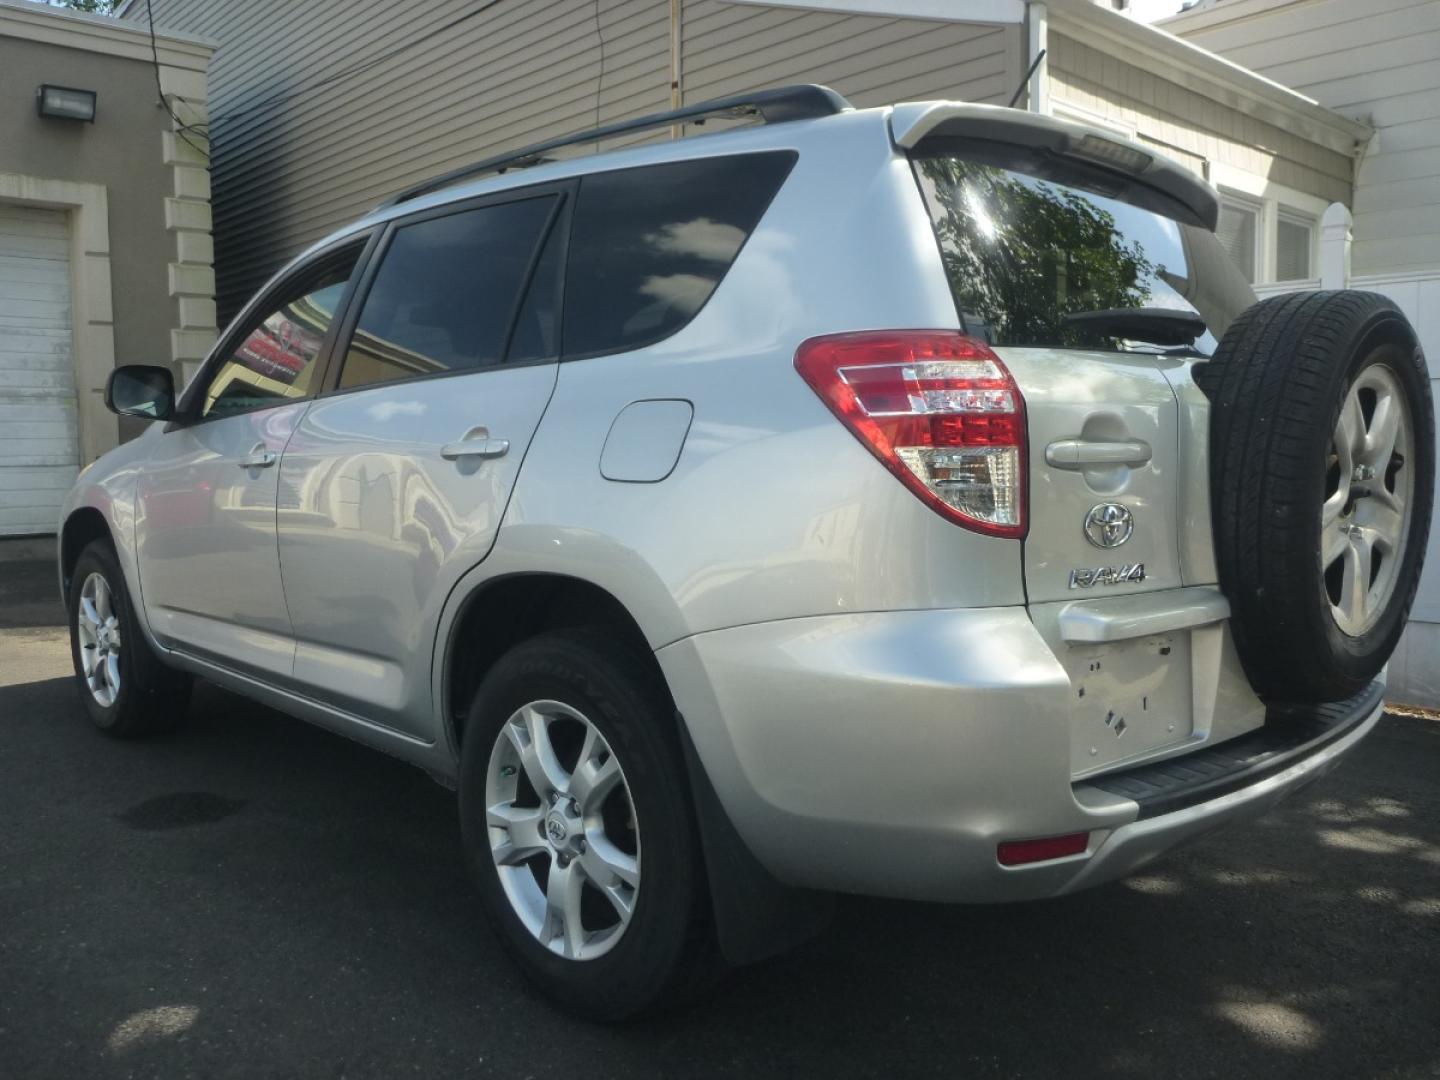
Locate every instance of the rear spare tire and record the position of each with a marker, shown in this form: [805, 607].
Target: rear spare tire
[1322, 462]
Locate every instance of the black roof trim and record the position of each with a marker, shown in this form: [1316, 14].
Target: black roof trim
[803, 101]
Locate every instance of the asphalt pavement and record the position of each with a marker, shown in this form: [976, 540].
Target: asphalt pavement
[253, 897]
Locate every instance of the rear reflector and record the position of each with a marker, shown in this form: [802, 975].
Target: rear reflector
[1023, 852]
[938, 410]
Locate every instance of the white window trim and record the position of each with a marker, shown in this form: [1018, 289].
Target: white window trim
[1287, 214]
[1257, 207]
[1272, 201]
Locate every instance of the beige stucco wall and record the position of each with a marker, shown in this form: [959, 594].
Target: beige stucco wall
[121, 152]
[124, 182]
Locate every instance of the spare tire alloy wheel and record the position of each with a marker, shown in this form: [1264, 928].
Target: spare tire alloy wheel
[1365, 518]
[562, 830]
[1322, 471]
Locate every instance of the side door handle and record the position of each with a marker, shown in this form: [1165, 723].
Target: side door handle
[259, 458]
[1084, 453]
[476, 444]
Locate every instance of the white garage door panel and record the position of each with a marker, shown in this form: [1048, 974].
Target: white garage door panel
[39, 436]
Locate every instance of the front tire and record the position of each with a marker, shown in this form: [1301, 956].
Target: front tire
[578, 827]
[126, 689]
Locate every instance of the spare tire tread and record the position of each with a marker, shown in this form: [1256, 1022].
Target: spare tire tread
[1275, 382]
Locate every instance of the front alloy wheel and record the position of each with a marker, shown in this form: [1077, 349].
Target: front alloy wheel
[98, 627]
[126, 688]
[562, 830]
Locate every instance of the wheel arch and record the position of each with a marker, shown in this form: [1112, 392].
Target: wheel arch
[755, 916]
[528, 603]
[81, 528]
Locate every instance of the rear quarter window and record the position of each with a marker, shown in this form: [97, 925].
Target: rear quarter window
[650, 245]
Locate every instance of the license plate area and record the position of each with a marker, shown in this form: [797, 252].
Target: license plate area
[1131, 700]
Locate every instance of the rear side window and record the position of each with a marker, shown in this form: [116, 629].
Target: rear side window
[650, 245]
[445, 293]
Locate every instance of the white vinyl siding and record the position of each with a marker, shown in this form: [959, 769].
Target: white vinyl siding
[1377, 61]
[293, 160]
[1195, 130]
[39, 446]
[733, 48]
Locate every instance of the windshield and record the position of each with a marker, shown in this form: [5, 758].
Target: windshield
[1022, 254]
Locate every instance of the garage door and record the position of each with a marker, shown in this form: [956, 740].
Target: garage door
[39, 446]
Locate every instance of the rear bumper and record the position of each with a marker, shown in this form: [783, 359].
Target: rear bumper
[1242, 796]
[889, 753]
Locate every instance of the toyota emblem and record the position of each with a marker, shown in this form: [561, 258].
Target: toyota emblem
[1108, 525]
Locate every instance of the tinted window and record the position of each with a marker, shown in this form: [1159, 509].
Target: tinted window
[445, 293]
[276, 359]
[650, 245]
[1028, 258]
[537, 327]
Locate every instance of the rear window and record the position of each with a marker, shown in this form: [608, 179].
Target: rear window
[649, 246]
[1053, 263]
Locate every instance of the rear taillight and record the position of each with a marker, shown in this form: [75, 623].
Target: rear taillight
[938, 410]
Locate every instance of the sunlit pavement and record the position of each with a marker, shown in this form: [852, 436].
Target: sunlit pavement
[254, 897]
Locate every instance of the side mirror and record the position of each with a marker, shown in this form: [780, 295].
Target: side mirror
[141, 390]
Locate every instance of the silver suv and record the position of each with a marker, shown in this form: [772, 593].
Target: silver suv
[909, 501]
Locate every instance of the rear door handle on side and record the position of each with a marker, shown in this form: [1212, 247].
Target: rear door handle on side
[259, 458]
[485, 447]
[1085, 453]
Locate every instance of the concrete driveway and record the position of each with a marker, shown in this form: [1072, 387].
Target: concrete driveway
[254, 897]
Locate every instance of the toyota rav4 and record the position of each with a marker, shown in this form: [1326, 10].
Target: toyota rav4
[910, 501]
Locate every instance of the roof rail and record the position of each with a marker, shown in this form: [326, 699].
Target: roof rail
[803, 101]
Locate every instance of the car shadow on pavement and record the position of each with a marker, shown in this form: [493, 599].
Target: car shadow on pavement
[254, 896]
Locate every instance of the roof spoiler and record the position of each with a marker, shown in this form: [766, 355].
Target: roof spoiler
[803, 101]
[1130, 162]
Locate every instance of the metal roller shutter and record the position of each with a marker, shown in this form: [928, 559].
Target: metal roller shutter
[39, 442]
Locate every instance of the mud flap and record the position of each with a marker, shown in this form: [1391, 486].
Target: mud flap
[756, 917]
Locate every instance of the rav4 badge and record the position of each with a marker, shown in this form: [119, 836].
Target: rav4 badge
[1107, 575]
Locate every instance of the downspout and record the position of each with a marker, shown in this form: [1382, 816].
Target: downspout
[1037, 23]
[677, 91]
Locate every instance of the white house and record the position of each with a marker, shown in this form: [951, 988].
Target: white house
[1376, 62]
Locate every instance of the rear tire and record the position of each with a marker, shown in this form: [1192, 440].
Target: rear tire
[125, 687]
[576, 697]
[1319, 547]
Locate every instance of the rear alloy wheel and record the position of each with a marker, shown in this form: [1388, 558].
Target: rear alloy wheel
[562, 830]
[1322, 470]
[579, 830]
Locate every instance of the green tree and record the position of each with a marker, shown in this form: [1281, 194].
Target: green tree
[95, 7]
[1022, 254]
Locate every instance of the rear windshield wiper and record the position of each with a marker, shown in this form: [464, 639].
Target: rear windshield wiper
[1160, 326]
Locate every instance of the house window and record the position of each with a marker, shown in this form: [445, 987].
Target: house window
[1239, 234]
[1294, 241]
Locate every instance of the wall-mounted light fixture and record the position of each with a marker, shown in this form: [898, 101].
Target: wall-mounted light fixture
[65, 103]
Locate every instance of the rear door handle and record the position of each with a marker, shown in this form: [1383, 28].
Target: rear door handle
[259, 458]
[484, 447]
[1085, 453]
